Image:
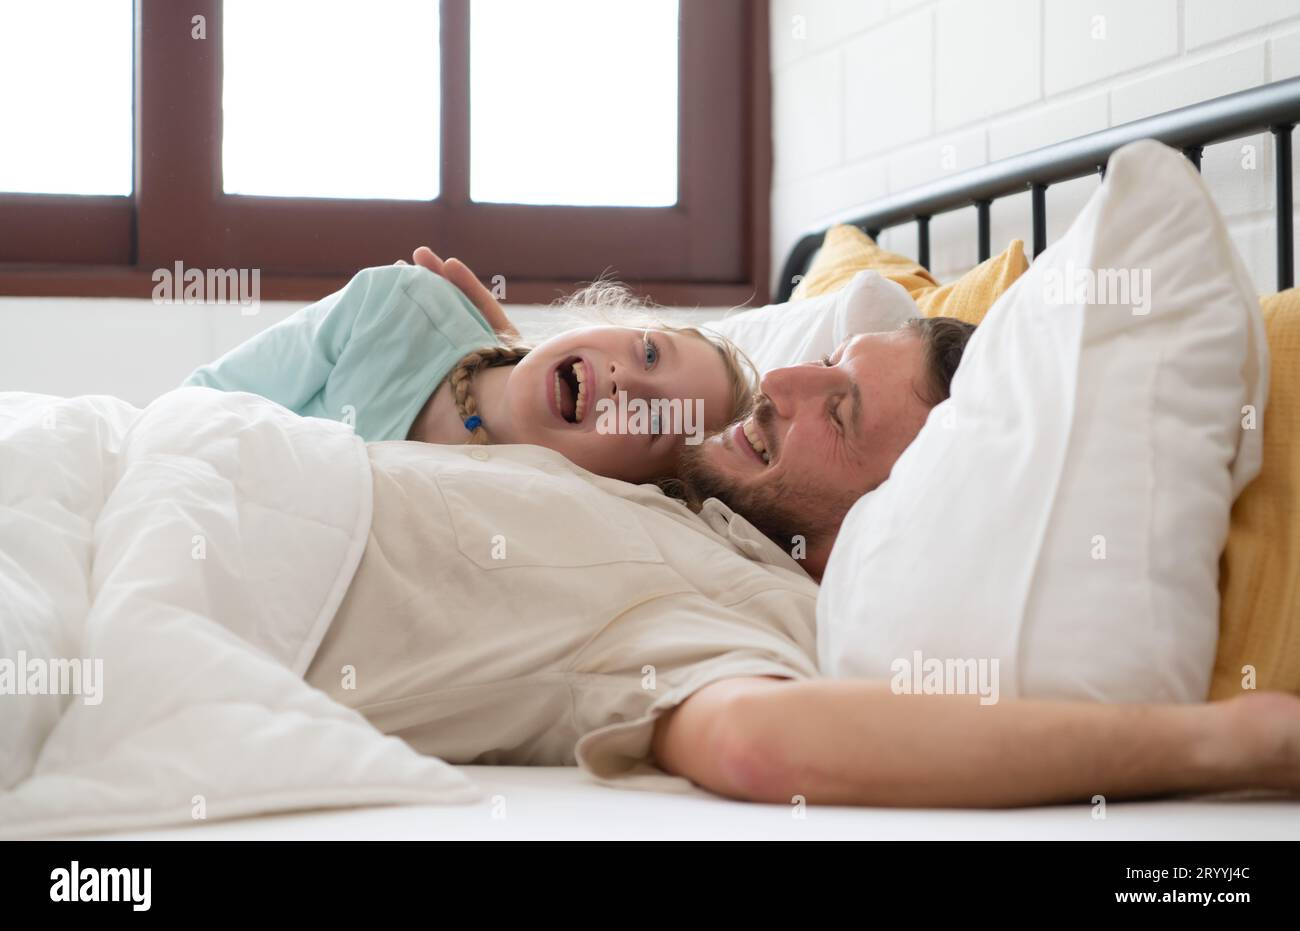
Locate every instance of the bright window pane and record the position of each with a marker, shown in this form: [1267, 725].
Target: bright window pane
[331, 98]
[65, 96]
[574, 102]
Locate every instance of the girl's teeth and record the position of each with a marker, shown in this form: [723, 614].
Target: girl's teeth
[559, 404]
[582, 392]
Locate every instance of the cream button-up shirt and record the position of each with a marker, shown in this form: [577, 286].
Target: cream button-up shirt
[513, 608]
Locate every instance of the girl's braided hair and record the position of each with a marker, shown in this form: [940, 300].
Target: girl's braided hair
[461, 376]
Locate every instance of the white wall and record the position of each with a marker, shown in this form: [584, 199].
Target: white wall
[136, 349]
[133, 349]
[876, 96]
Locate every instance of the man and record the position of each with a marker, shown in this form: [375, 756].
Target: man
[822, 435]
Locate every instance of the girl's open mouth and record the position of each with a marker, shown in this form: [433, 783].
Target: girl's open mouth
[571, 389]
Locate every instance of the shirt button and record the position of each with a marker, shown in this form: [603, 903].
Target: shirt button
[479, 453]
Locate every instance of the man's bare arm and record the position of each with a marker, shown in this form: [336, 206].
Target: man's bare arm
[854, 742]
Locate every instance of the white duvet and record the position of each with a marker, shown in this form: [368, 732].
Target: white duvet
[193, 552]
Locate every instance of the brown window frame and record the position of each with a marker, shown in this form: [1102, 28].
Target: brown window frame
[710, 248]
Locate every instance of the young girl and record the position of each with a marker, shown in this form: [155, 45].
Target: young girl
[402, 353]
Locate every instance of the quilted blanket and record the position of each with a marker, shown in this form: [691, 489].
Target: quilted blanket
[166, 576]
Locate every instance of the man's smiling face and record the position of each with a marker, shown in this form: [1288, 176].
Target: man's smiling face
[822, 435]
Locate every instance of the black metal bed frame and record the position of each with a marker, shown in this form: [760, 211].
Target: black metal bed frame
[1273, 107]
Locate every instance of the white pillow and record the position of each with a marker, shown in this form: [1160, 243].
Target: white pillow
[806, 330]
[1063, 512]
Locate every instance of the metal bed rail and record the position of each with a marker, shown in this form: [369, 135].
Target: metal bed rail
[1271, 107]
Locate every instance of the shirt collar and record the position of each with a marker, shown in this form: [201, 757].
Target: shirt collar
[747, 538]
[717, 516]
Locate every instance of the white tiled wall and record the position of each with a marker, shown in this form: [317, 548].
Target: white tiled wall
[877, 96]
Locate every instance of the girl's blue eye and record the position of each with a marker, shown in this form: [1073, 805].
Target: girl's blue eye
[651, 352]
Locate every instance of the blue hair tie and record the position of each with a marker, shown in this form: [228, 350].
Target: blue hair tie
[473, 423]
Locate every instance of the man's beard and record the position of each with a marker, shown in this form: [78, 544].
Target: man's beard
[782, 511]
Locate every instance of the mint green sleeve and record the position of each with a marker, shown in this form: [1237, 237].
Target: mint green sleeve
[370, 354]
[291, 361]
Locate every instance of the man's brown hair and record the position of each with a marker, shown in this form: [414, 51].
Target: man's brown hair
[944, 339]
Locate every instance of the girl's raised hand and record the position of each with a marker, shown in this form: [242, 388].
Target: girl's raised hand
[459, 274]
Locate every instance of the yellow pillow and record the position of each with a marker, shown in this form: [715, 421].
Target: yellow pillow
[970, 296]
[847, 250]
[1259, 574]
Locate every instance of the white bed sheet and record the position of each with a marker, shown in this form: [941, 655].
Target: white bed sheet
[561, 803]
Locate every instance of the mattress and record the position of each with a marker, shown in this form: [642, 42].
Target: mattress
[563, 803]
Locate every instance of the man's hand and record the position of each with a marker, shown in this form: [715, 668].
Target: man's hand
[1264, 728]
[459, 274]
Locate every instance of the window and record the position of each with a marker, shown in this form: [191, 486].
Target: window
[599, 107]
[67, 157]
[295, 72]
[544, 141]
[66, 132]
